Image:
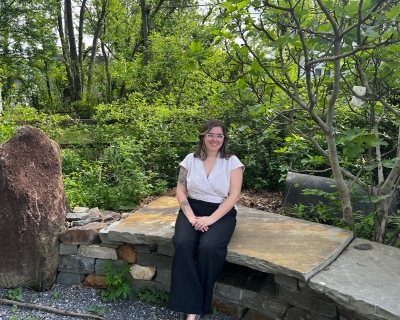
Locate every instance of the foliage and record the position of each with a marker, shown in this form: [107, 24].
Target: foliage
[297, 62]
[117, 180]
[166, 132]
[119, 282]
[153, 296]
[28, 47]
[12, 118]
[13, 294]
[97, 310]
[215, 311]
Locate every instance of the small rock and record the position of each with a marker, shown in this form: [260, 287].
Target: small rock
[363, 246]
[76, 216]
[86, 221]
[142, 272]
[80, 209]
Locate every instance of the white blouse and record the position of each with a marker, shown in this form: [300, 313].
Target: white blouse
[215, 187]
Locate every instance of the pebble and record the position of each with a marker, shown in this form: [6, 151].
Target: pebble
[80, 299]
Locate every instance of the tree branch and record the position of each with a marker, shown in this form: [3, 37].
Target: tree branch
[53, 310]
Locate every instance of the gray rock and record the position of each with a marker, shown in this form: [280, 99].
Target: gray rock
[287, 281]
[310, 303]
[163, 275]
[166, 250]
[153, 259]
[87, 234]
[95, 251]
[68, 249]
[73, 216]
[80, 210]
[76, 264]
[114, 264]
[103, 234]
[364, 281]
[69, 278]
[86, 221]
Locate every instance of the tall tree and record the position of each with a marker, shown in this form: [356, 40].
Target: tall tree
[27, 44]
[72, 61]
[306, 49]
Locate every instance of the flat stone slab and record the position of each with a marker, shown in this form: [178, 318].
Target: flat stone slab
[367, 281]
[277, 244]
[152, 224]
[263, 241]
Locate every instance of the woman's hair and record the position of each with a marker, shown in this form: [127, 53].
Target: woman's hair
[201, 151]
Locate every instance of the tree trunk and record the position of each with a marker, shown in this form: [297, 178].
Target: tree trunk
[108, 73]
[344, 191]
[96, 36]
[76, 93]
[65, 50]
[341, 185]
[145, 32]
[80, 32]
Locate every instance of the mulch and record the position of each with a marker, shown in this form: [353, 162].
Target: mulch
[265, 200]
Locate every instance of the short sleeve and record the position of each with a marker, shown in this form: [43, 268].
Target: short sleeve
[187, 162]
[235, 163]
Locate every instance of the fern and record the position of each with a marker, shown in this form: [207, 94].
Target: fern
[118, 281]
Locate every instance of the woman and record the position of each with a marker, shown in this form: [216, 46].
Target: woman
[209, 185]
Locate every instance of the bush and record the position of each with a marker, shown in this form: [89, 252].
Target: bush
[118, 180]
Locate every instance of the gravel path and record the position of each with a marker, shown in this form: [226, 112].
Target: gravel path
[80, 299]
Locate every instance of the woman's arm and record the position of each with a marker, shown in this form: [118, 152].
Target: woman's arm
[235, 190]
[181, 195]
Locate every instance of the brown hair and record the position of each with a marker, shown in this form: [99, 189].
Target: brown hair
[201, 148]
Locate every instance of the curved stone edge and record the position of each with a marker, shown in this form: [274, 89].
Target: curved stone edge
[265, 266]
[373, 312]
[345, 281]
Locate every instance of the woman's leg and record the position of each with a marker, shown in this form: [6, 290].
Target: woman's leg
[186, 293]
[211, 254]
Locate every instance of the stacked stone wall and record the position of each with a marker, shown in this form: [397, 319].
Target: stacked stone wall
[241, 292]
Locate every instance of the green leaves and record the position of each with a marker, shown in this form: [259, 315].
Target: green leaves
[393, 13]
[13, 294]
[153, 296]
[118, 280]
[388, 163]
[356, 141]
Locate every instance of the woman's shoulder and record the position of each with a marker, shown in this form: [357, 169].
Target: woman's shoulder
[230, 157]
[233, 162]
[189, 158]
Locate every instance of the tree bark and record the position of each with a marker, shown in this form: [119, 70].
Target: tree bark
[99, 27]
[80, 32]
[65, 49]
[145, 32]
[108, 73]
[51, 309]
[76, 93]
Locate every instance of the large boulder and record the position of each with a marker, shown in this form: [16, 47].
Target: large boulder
[33, 207]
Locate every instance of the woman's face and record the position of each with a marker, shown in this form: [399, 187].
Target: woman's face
[214, 139]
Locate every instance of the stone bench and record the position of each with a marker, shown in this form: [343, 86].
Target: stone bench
[276, 267]
[263, 241]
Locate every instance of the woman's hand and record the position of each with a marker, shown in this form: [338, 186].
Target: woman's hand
[202, 223]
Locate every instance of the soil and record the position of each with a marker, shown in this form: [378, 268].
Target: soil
[265, 200]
